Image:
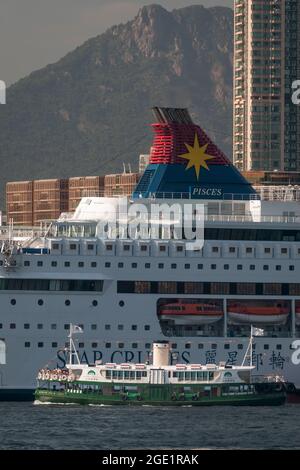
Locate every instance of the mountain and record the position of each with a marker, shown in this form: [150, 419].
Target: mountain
[90, 111]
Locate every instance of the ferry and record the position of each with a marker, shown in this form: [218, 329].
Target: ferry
[123, 288]
[159, 384]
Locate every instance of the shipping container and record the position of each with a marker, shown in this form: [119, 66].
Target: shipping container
[50, 199]
[86, 186]
[19, 202]
[121, 184]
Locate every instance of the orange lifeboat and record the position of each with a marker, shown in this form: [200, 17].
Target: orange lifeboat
[276, 314]
[191, 313]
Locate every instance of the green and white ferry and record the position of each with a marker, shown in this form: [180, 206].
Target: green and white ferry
[159, 383]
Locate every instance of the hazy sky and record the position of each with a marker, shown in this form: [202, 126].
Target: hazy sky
[34, 33]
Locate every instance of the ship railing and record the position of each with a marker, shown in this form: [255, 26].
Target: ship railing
[188, 195]
[270, 378]
[248, 218]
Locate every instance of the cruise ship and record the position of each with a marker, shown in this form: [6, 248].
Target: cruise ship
[126, 284]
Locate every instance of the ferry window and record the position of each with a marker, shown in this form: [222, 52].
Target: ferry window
[107, 327]
[13, 301]
[298, 251]
[162, 248]
[187, 266]
[292, 268]
[26, 326]
[161, 266]
[40, 326]
[240, 346]
[67, 264]
[26, 263]
[121, 303]
[266, 346]
[67, 326]
[148, 346]
[107, 265]
[80, 264]
[134, 345]
[134, 327]
[278, 267]
[27, 344]
[147, 327]
[55, 246]
[12, 326]
[40, 345]
[54, 264]
[147, 265]
[249, 250]
[120, 327]
[90, 247]
[214, 346]
[126, 247]
[138, 375]
[213, 266]
[134, 265]
[284, 251]
[40, 302]
[179, 248]
[200, 266]
[215, 249]
[226, 267]
[131, 375]
[231, 249]
[73, 246]
[54, 345]
[108, 345]
[81, 345]
[40, 263]
[173, 266]
[109, 247]
[95, 303]
[278, 346]
[188, 346]
[1, 263]
[67, 303]
[266, 267]
[200, 346]
[108, 374]
[94, 327]
[53, 326]
[267, 250]
[144, 248]
[120, 345]
[239, 267]
[210, 376]
[93, 264]
[1, 326]
[94, 345]
[226, 346]
[120, 265]
[252, 267]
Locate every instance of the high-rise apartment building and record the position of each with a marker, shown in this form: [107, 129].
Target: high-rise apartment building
[266, 63]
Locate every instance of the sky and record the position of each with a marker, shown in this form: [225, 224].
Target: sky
[34, 33]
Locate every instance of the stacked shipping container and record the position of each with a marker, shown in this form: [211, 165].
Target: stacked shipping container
[86, 186]
[19, 202]
[121, 185]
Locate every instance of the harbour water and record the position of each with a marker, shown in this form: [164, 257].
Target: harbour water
[28, 426]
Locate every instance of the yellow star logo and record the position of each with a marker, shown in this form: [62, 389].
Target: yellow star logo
[197, 156]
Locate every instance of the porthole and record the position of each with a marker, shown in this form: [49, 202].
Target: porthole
[95, 303]
[67, 302]
[40, 302]
[121, 303]
[13, 301]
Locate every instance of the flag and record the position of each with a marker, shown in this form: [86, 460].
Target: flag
[75, 329]
[257, 331]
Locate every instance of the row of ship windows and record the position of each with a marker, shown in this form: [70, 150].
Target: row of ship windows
[27, 344]
[200, 266]
[53, 326]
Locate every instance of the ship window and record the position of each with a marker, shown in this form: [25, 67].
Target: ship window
[213, 266]
[121, 303]
[179, 248]
[266, 346]
[239, 267]
[80, 264]
[53, 326]
[215, 249]
[93, 264]
[200, 266]
[226, 267]
[108, 345]
[266, 267]
[214, 346]
[67, 264]
[279, 346]
[107, 327]
[109, 247]
[13, 301]
[94, 345]
[1, 263]
[278, 267]
[161, 266]
[90, 247]
[73, 246]
[26, 326]
[95, 303]
[107, 265]
[267, 250]
[284, 251]
[40, 345]
[174, 346]
[126, 247]
[144, 248]
[187, 266]
[120, 265]
[121, 345]
[147, 327]
[81, 345]
[134, 345]
[231, 249]
[292, 268]
[188, 346]
[240, 346]
[147, 346]
[27, 344]
[66, 326]
[40, 302]
[249, 250]
[134, 265]
[162, 248]
[12, 326]
[54, 345]
[54, 264]
[120, 327]
[26, 263]
[94, 327]
[173, 266]
[226, 346]
[147, 265]
[252, 267]
[55, 246]
[200, 346]
[68, 302]
[134, 327]
[40, 326]
[40, 263]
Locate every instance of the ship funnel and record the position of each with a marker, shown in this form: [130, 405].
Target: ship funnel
[161, 354]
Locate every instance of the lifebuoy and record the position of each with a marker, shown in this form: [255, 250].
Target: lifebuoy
[47, 376]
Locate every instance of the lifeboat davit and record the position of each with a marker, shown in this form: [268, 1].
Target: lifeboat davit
[276, 314]
[191, 313]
